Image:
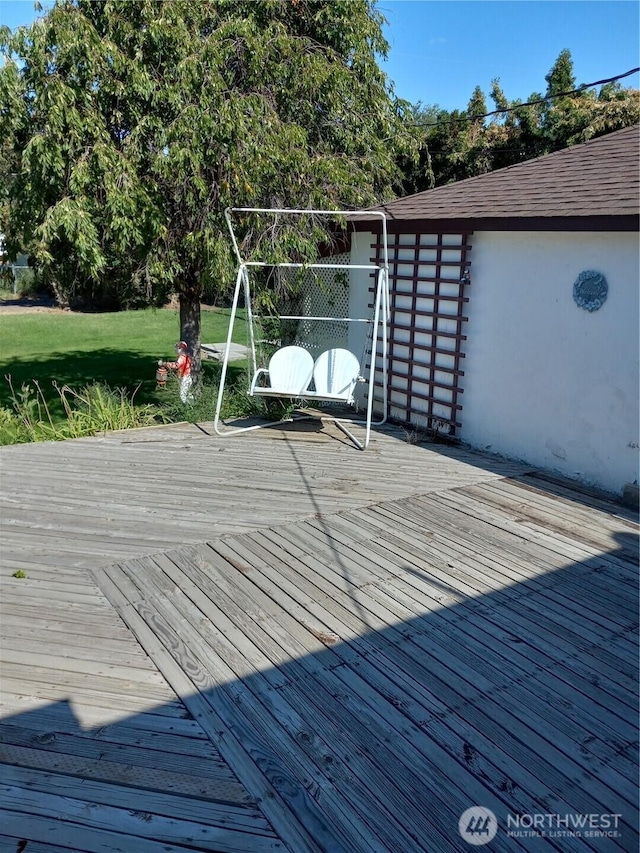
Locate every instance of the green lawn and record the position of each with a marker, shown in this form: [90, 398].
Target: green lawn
[119, 349]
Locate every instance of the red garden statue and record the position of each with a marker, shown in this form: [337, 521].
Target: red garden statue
[182, 366]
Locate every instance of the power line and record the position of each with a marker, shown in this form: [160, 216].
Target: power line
[526, 104]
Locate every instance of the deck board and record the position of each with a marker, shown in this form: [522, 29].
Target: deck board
[276, 642]
[90, 726]
[125, 494]
[539, 710]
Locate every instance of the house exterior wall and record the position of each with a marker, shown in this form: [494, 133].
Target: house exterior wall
[545, 380]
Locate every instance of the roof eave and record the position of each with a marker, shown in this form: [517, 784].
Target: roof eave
[450, 225]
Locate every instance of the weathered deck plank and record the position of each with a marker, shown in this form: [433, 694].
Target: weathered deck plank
[487, 651]
[249, 761]
[145, 801]
[92, 731]
[130, 824]
[336, 650]
[542, 716]
[121, 495]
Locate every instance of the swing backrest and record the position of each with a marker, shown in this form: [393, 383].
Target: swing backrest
[290, 371]
[335, 374]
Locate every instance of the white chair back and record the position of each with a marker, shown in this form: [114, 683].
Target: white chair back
[336, 373]
[290, 371]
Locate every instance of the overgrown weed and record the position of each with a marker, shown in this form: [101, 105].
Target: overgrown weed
[93, 409]
[97, 408]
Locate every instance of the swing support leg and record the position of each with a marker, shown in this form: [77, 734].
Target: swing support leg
[242, 281]
[341, 426]
[380, 318]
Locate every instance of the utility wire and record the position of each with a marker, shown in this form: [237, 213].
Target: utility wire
[475, 117]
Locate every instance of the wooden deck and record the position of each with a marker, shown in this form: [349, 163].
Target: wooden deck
[276, 642]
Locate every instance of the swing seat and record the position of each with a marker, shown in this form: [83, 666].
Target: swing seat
[291, 371]
[289, 374]
[335, 374]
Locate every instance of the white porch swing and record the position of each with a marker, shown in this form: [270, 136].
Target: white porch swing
[318, 366]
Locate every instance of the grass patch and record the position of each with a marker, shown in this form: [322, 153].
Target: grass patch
[73, 374]
[89, 410]
[66, 375]
[119, 350]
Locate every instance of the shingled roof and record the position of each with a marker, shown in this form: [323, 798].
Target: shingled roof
[591, 186]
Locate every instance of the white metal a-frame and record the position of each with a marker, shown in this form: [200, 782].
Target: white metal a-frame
[379, 320]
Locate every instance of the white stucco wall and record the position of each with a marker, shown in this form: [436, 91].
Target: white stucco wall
[545, 380]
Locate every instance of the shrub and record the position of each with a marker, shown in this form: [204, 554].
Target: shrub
[235, 404]
[93, 409]
[98, 408]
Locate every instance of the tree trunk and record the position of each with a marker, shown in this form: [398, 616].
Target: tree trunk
[190, 327]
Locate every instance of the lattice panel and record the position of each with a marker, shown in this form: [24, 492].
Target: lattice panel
[428, 275]
[320, 293]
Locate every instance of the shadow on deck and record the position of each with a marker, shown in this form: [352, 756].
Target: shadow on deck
[368, 676]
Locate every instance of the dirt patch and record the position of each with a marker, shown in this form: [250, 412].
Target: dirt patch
[47, 305]
[21, 305]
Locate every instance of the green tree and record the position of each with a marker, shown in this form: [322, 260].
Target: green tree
[563, 114]
[459, 144]
[131, 126]
[417, 169]
[516, 134]
[570, 118]
[452, 145]
[561, 78]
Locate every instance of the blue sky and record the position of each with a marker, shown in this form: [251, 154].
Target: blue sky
[440, 50]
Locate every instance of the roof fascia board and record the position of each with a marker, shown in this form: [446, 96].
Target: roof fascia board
[626, 223]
